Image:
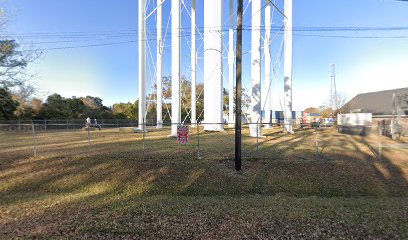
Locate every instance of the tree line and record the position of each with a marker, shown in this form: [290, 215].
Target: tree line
[18, 101]
[19, 104]
[18, 91]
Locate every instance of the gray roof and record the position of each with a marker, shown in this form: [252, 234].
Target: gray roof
[377, 103]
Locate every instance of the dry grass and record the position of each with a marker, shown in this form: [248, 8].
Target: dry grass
[289, 187]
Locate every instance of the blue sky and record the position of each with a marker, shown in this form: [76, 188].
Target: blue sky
[110, 71]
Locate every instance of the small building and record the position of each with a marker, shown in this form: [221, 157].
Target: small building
[382, 107]
[278, 117]
[354, 123]
[309, 118]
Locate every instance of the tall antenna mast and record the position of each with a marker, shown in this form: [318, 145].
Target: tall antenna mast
[333, 89]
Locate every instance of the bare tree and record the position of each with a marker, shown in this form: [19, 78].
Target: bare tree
[340, 105]
[340, 101]
[14, 60]
[13, 64]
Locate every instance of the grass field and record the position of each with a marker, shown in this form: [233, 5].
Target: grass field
[307, 185]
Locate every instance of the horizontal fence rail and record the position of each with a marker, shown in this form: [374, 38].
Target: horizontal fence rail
[123, 137]
[78, 124]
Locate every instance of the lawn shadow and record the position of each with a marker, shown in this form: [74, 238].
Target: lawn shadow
[110, 177]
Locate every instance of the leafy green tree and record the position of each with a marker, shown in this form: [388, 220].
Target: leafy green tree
[58, 107]
[76, 107]
[246, 99]
[7, 104]
[55, 108]
[94, 108]
[126, 110]
[185, 99]
[119, 110]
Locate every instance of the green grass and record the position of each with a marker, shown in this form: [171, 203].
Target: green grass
[288, 187]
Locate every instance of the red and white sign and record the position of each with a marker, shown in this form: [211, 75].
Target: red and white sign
[182, 134]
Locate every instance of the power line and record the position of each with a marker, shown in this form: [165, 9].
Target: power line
[247, 28]
[86, 46]
[298, 35]
[77, 37]
[351, 37]
[134, 32]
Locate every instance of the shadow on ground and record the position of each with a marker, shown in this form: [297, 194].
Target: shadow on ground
[116, 185]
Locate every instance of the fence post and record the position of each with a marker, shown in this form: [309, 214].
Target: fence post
[380, 126]
[316, 143]
[257, 137]
[117, 123]
[89, 137]
[34, 139]
[45, 125]
[19, 125]
[67, 126]
[198, 140]
[143, 140]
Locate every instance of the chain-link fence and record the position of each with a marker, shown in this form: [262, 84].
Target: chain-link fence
[63, 124]
[116, 138]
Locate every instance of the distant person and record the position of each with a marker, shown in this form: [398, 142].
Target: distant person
[88, 122]
[97, 125]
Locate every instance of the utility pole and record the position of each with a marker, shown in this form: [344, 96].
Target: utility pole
[238, 140]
